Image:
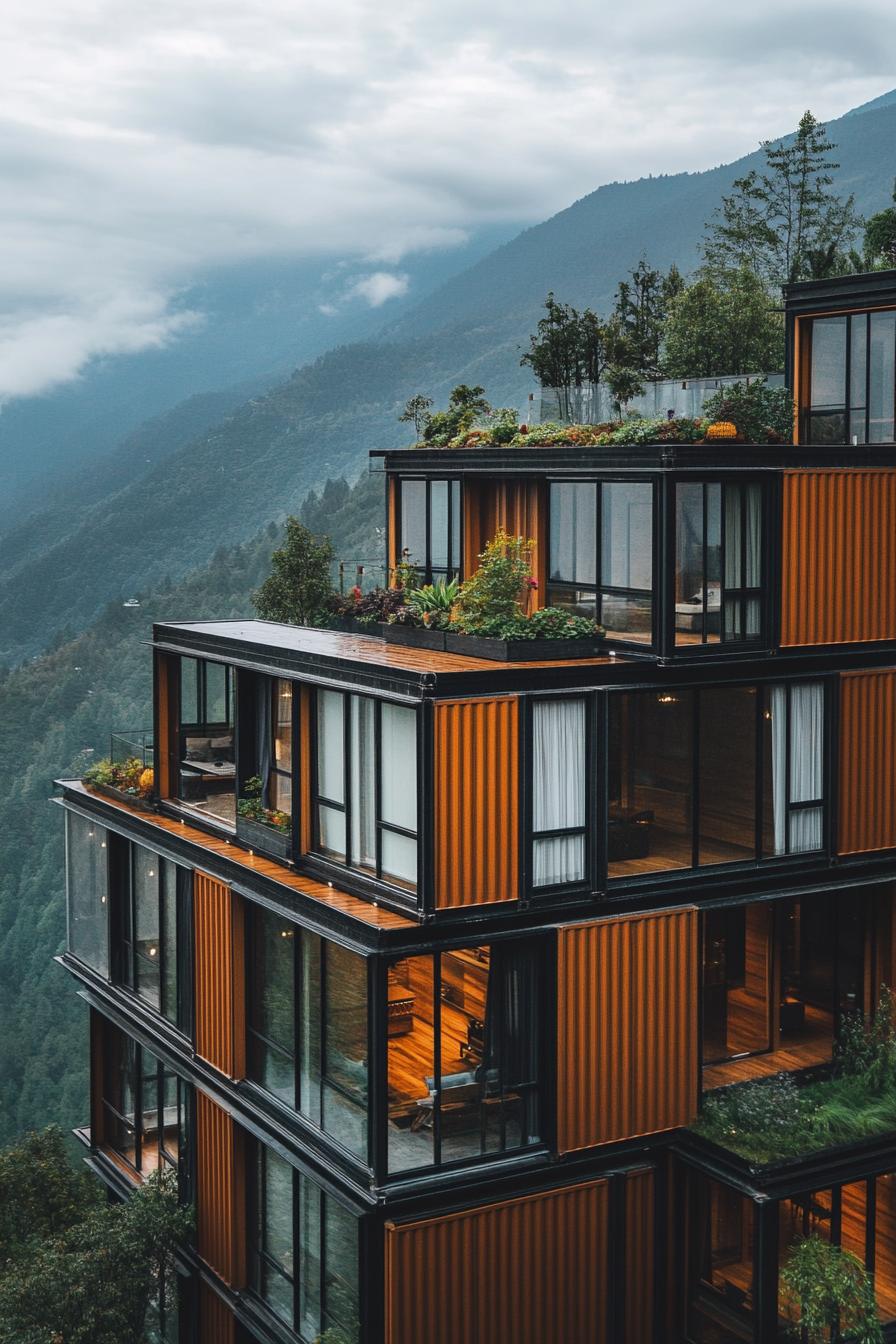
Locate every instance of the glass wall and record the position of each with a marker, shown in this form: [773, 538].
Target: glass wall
[718, 563]
[715, 775]
[152, 928]
[852, 379]
[719, 1255]
[430, 527]
[366, 786]
[307, 1026]
[206, 741]
[87, 891]
[464, 1054]
[146, 1109]
[303, 1251]
[266, 748]
[777, 980]
[601, 554]
[559, 793]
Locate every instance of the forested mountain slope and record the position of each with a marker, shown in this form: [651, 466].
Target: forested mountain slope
[261, 458]
[54, 712]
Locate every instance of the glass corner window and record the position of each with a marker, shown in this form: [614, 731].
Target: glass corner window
[430, 527]
[600, 554]
[205, 740]
[87, 891]
[152, 930]
[851, 367]
[718, 563]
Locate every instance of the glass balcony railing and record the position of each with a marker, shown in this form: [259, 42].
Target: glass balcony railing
[128, 744]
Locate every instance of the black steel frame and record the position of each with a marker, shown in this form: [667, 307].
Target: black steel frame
[807, 417]
[598, 588]
[345, 806]
[428, 573]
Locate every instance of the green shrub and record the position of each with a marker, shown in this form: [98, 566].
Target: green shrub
[762, 414]
[828, 1294]
[494, 592]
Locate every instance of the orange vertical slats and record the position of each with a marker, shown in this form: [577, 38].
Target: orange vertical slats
[520, 508]
[476, 778]
[220, 1192]
[219, 975]
[838, 558]
[167, 713]
[626, 1028]
[867, 802]
[639, 1255]
[528, 1270]
[391, 524]
[216, 1321]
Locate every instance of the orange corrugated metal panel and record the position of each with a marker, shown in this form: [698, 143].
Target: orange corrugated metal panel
[476, 801]
[391, 524]
[220, 1192]
[528, 1270]
[626, 1028]
[216, 1321]
[639, 1253]
[838, 559]
[218, 972]
[520, 507]
[867, 801]
[168, 713]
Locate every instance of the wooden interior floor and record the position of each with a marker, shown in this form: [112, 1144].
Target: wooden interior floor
[411, 1054]
[812, 1047]
[669, 850]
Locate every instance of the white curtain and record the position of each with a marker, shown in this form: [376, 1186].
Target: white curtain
[558, 786]
[806, 765]
[363, 782]
[398, 790]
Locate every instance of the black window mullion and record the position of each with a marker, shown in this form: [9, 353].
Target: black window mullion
[297, 1250]
[759, 768]
[298, 998]
[723, 592]
[377, 786]
[695, 777]
[137, 1085]
[437, 1058]
[347, 774]
[787, 751]
[598, 542]
[705, 552]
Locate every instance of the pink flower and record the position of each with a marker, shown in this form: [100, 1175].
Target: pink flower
[533, 583]
[355, 593]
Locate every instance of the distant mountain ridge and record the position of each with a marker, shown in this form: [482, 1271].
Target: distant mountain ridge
[258, 462]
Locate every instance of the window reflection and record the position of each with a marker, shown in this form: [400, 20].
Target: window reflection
[852, 379]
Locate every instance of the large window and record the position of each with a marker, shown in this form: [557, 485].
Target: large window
[852, 379]
[559, 793]
[725, 1256]
[366, 786]
[267, 711]
[718, 563]
[146, 1109]
[464, 1053]
[308, 1026]
[152, 920]
[601, 554]
[87, 891]
[717, 775]
[777, 979]
[430, 531]
[206, 750]
[304, 1251]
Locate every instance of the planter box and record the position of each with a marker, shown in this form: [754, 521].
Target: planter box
[265, 838]
[416, 636]
[119, 796]
[522, 650]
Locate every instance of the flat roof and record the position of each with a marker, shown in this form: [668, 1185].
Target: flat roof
[366, 660]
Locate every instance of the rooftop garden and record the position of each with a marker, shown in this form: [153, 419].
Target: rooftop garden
[775, 1119]
[741, 413]
[490, 614]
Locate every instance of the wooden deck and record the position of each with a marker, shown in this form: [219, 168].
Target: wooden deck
[342, 901]
[813, 1048]
[340, 645]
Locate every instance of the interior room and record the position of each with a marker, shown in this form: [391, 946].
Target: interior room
[207, 775]
[469, 1019]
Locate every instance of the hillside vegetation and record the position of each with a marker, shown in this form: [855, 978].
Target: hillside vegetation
[55, 712]
[258, 461]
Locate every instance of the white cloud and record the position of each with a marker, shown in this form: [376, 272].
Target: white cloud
[141, 144]
[379, 286]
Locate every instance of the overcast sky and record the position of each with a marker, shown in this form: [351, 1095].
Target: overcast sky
[143, 141]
